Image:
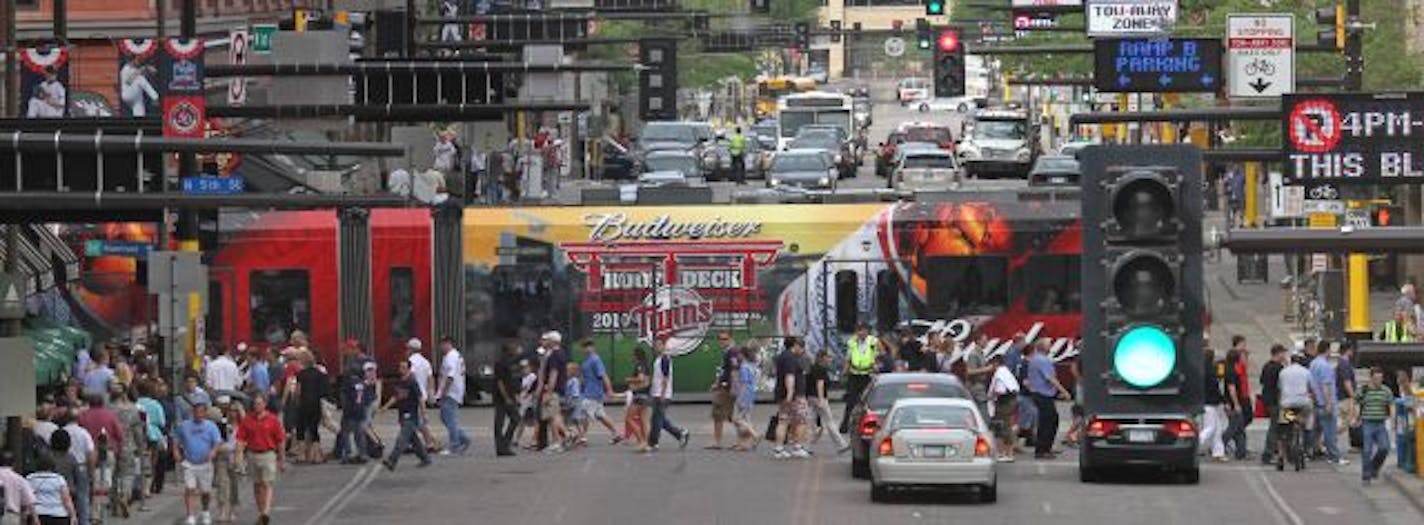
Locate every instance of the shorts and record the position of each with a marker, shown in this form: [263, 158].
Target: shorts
[263, 466]
[198, 477]
[795, 412]
[550, 407]
[1002, 423]
[308, 422]
[592, 409]
[642, 399]
[722, 404]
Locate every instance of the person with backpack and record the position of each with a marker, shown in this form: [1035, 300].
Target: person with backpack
[353, 420]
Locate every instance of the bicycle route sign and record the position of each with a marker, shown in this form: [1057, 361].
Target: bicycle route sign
[1260, 55]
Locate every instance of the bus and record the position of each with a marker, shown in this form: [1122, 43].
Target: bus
[770, 90]
[817, 107]
[622, 276]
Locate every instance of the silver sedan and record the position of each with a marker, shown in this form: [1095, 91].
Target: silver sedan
[933, 442]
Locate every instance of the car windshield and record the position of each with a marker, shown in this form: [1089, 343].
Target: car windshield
[1057, 164]
[929, 134]
[883, 396]
[686, 165]
[765, 131]
[669, 133]
[913, 83]
[999, 130]
[785, 163]
[933, 416]
[929, 161]
[816, 141]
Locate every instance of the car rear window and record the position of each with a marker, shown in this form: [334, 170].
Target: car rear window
[928, 134]
[883, 396]
[933, 416]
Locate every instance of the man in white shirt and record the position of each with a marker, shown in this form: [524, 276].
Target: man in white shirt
[452, 395]
[422, 372]
[662, 397]
[223, 373]
[86, 456]
[1003, 398]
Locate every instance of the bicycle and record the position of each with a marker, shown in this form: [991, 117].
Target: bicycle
[1292, 439]
[1260, 67]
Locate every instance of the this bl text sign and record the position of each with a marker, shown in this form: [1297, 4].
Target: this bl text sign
[1354, 138]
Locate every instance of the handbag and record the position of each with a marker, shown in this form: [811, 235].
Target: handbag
[1260, 408]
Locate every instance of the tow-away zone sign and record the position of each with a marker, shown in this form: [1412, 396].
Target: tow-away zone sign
[1131, 17]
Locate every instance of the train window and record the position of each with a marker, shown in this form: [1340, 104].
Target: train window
[281, 302]
[213, 323]
[847, 300]
[1053, 284]
[887, 300]
[966, 285]
[402, 283]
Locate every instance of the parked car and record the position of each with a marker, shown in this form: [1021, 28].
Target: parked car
[961, 105]
[934, 442]
[1055, 170]
[880, 396]
[913, 89]
[804, 168]
[925, 169]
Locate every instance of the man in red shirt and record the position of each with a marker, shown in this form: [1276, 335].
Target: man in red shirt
[103, 425]
[260, 434]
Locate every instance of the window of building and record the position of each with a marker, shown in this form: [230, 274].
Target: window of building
[402, 284]
[958, 286]
[281, 303]
[1053, 284]
[213, 323]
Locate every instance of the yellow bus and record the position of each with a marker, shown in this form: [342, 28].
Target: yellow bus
[769, 90]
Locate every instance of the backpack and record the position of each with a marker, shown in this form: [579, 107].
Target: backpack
[1021, 371]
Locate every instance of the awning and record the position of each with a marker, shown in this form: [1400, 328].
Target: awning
[43, 257]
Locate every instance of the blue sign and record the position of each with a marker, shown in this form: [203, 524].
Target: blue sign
[1157, 65]
[214, 185]
[100, 248]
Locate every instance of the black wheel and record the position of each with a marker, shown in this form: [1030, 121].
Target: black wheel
[1089, 474]
[989, 493]
[924, 108]
[1191, 476]
[860, 468]
[879, 493]
[962, 108]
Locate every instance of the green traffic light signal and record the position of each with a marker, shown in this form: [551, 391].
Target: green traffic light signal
[934, 7]
[924, 42]
[1144, 356]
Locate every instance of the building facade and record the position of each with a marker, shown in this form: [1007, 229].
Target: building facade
[868, 56]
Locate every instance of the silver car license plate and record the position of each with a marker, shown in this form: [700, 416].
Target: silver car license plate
[1141, 436]
[1058, 180]
[932, 451]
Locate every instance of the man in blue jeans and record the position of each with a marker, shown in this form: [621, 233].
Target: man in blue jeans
[662, 396]
[1376, 408]
[407, 401]
[452, 395]
[1322, 378]
[1043, 383]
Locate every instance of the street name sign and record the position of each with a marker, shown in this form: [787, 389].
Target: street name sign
[1353, 138]
[206, 185]
[1157, 65]
[1118, 18]
[1260, 55]
[262, 38]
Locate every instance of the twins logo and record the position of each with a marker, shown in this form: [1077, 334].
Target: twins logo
[677, 314]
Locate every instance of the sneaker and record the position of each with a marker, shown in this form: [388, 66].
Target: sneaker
[554, 449]
[1340, 462]
[425, 463]
[683, 439]
[445, 452]
[1365, 481]
[390, 465]
[780, 454]
[191, 520]
[800, 453]
[616, 440]
[206, 518]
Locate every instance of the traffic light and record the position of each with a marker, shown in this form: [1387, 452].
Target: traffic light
[1383, 216]
[948, 65]
[934, 7]
[760, 6]
[923, 33]
[803, 35]
[657, 82]
[1142, 279]
[1332, 25]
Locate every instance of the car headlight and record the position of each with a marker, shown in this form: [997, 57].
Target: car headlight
[838, 158]
[1022, 155]
[775, 182]
[969, 152]
[825, 181]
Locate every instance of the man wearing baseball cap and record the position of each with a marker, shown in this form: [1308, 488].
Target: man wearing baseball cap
[421, 371]
[553, 373]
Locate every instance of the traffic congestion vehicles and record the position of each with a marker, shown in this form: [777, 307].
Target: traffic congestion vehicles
[1000, 264]
[770, 90]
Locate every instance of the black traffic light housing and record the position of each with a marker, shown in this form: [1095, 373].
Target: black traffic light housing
[1142, 280]
[657, 81]
[760, 6]
[924, 34]
[803, 35]
[1332, 29]
[934, 7]
[948, 65]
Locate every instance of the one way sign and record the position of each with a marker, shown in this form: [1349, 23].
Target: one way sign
[1260, 55]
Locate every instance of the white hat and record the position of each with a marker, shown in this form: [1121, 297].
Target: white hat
[553, 335]
[413, 344]
[242, 347]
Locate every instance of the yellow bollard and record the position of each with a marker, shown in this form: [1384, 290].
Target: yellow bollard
[1418, 429]
[1253, 178]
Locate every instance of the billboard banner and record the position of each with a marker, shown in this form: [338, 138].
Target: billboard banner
[625, 276]
[138, 74]
[44, 81]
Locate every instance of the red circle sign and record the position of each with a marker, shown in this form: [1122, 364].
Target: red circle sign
[1314, 126]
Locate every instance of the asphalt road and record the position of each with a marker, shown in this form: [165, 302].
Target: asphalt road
[607, 484]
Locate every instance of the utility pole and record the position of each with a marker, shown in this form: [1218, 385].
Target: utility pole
[12, 88]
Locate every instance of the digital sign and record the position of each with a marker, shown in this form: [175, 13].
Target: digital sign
[1353, 138]
[1148, 65]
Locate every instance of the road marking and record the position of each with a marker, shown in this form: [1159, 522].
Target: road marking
[355, 478]
[815, 502]
[1047, 507]
[587, 464]
[335, 505]
[1042, 469]
[1279, 501]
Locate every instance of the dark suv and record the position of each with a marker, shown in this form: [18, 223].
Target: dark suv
[880, 396]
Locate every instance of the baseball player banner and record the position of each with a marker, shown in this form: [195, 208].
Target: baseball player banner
[138, 77]
[44, 81]
[184, 105]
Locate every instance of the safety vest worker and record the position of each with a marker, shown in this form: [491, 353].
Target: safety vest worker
[738, 145]
[1397, 331]
[861, 353]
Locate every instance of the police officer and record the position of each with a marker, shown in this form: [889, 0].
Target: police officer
[857, 369]
[737, 148]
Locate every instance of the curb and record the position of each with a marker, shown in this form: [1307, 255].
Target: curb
[1415, 496]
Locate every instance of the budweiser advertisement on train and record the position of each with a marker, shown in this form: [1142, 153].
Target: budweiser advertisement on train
[623, 276]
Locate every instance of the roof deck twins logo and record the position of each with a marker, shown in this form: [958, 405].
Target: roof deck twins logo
[677, 314]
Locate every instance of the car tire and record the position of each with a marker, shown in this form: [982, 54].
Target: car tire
[1191, 476]
[924, 108]
[962, 108]
[860, 468]
[1089, 474]
[879, 493]
[989, 493]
